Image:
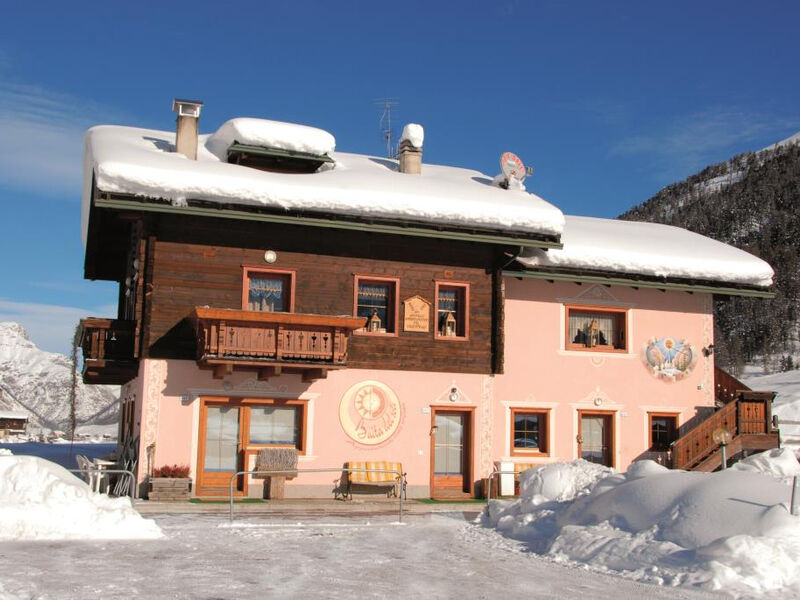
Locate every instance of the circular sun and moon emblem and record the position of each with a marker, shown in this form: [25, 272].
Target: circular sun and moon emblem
[370, 412]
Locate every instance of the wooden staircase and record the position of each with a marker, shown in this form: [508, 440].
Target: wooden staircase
[744, 413]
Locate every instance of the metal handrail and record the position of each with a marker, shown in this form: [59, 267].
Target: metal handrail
[99, 471]
[489, 487]
[400, 479]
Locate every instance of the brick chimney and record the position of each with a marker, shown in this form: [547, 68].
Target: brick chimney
[410, 152]
[186, 134]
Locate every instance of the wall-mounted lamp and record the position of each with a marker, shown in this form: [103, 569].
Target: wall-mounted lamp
[434, 429]
[270, 256]
[708, 350]
[453, 395]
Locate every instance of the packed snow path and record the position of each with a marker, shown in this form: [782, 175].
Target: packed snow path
[432, 556]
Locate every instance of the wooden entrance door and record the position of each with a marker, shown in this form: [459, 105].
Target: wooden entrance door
[452, 454]
[220, 449]
[596, 438]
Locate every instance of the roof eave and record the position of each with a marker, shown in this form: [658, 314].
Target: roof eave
[398, 227]
[643, 282]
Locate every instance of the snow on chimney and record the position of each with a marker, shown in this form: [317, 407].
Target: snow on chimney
[411, 149]
[186, 134]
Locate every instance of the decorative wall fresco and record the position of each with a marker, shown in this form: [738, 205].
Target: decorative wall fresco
[669, 357]
[370, 412]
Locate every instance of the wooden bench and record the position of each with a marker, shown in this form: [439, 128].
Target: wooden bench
[395, 484]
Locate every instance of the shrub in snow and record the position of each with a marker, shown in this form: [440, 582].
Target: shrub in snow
[730, 529]
[40, 500]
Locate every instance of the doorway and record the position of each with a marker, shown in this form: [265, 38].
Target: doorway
[596, 437]
[451, 453]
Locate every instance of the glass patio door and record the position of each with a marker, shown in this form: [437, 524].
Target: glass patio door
[450, 454]
[594, 444]
[222, 448]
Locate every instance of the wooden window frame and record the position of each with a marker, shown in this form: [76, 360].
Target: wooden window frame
[514, 451]
[650, 416]
[248, 449]
[248, 271]
[620, 313]
[459, 284]
[394, 308]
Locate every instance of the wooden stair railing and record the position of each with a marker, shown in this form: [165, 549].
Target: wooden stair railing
[749, 415]
[726, 386]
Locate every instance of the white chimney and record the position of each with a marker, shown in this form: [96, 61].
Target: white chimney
[410, 153]
[186, 134]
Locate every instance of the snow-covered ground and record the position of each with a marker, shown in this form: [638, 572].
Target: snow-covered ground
[575, 528]
[728, 531]
[432, 556]
[786, 404]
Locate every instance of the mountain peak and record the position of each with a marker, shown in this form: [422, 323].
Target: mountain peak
[9, 329]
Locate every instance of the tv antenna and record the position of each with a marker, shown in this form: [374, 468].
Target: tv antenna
[386, 123]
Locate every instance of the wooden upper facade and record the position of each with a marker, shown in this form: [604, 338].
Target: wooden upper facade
[175, 271]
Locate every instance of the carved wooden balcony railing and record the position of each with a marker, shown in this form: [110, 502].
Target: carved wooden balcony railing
[272, 342]
[108, 350]
[748, 419]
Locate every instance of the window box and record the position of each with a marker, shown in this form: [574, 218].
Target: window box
[452, 311]
[529, 428]
[594, 329]
[268, 290]
[376, 299]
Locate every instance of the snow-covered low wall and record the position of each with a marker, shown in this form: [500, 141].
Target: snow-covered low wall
[40, 500]
[730, 530]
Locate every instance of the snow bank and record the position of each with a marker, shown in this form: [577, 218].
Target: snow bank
[40, 500]
[728, 530]
[270, 134]
[649, 249]
[5, 452]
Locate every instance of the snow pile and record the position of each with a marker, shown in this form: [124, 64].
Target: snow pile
[729, 530]
[270, 134]
[778, 462]
[649, 249]
[40, 500]
[6, 452]
[414, 133]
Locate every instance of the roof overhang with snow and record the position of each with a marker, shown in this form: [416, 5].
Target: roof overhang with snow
[648, 255]
[130, 168]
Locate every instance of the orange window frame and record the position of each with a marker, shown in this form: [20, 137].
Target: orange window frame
[620, 314]
[464, 285]
[662, 415]
[544, 431]
[394, 305]
[248, 272]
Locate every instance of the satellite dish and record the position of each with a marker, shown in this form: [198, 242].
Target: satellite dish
[512, 167]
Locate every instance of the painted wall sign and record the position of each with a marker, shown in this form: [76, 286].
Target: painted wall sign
[370, 412]
[416, 314]
[670, 358]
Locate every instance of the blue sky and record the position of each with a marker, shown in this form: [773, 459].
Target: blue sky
[609, 101]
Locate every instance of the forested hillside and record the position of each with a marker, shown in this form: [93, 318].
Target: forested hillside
[751, 201]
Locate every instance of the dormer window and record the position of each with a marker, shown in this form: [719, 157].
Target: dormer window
[275, 159]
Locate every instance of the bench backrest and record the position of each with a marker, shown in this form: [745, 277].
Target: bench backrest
[362, 477]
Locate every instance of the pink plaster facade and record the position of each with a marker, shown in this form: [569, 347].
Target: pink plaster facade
[540, 374]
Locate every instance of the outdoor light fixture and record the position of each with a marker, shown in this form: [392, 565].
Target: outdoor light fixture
[434, 429]
[270, 256]
[453, 395]
[708, 350]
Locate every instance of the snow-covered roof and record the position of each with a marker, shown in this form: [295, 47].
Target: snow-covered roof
[649, 249]
[13, 414]
[142, 162]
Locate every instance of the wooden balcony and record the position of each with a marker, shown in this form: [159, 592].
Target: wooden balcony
[748, 419]
[272, 343]
[108, 350]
